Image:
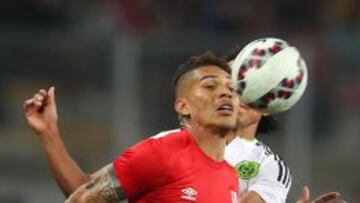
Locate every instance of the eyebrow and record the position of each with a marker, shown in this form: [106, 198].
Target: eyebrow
[208, 77]
[212, 77]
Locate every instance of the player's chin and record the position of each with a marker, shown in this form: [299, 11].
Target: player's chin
[226, 122]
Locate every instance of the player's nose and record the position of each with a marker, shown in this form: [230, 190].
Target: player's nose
[226, 92]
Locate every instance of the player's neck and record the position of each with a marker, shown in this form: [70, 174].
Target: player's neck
[248, 133]
[211, 141]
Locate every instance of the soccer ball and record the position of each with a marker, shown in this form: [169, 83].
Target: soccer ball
[270, 75]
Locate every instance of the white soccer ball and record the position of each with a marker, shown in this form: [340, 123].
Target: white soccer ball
[270, 75]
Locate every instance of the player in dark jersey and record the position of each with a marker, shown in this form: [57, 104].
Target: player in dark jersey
[182, 167]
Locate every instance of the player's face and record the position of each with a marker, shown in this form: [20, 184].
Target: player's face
[211, 98]
[247, 116]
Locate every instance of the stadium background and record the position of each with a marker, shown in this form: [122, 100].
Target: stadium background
[112, 63]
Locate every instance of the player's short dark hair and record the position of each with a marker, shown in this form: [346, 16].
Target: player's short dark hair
[202, 59]
[267, 124]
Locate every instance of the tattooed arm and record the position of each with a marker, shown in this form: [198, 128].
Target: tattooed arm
[102, 188]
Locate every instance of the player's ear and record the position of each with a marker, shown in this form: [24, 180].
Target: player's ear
[182, 107]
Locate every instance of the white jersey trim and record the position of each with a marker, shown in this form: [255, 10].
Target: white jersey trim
[164, 133]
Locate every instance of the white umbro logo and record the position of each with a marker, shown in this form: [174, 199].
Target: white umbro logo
[189, 194]
[234, 197]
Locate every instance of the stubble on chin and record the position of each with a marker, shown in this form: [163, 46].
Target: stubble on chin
[224, 127]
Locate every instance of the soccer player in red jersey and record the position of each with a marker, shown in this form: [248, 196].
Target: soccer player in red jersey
[185, 166]
[41, 114]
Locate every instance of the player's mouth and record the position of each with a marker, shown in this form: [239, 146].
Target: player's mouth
[226, 108]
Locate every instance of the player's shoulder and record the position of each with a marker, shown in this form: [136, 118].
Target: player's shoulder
[259, 158]
[162, 143]
[176, 138]
[268, 154]
[274, 162]
[167, 133]
[241, 149]
[266, 151]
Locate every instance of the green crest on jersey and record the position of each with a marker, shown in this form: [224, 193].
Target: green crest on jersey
[247, 169]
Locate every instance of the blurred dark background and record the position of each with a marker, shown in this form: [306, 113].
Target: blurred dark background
[112, 64]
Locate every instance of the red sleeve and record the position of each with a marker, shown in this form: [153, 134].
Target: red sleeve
[141, 168]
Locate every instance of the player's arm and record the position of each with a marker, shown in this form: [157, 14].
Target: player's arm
[41, 115]
[251, 197]
[103, 187]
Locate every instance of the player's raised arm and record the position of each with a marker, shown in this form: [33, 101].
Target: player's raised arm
[41, 115]
[103, 188]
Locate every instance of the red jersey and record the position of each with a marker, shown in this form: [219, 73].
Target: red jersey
[173, 169]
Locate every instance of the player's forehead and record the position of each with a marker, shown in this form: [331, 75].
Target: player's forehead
[211, 72]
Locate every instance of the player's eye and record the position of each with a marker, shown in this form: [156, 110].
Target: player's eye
[232, 89]
[209, 85]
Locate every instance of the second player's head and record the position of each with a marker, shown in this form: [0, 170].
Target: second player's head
[248, 116]
[205, 92]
